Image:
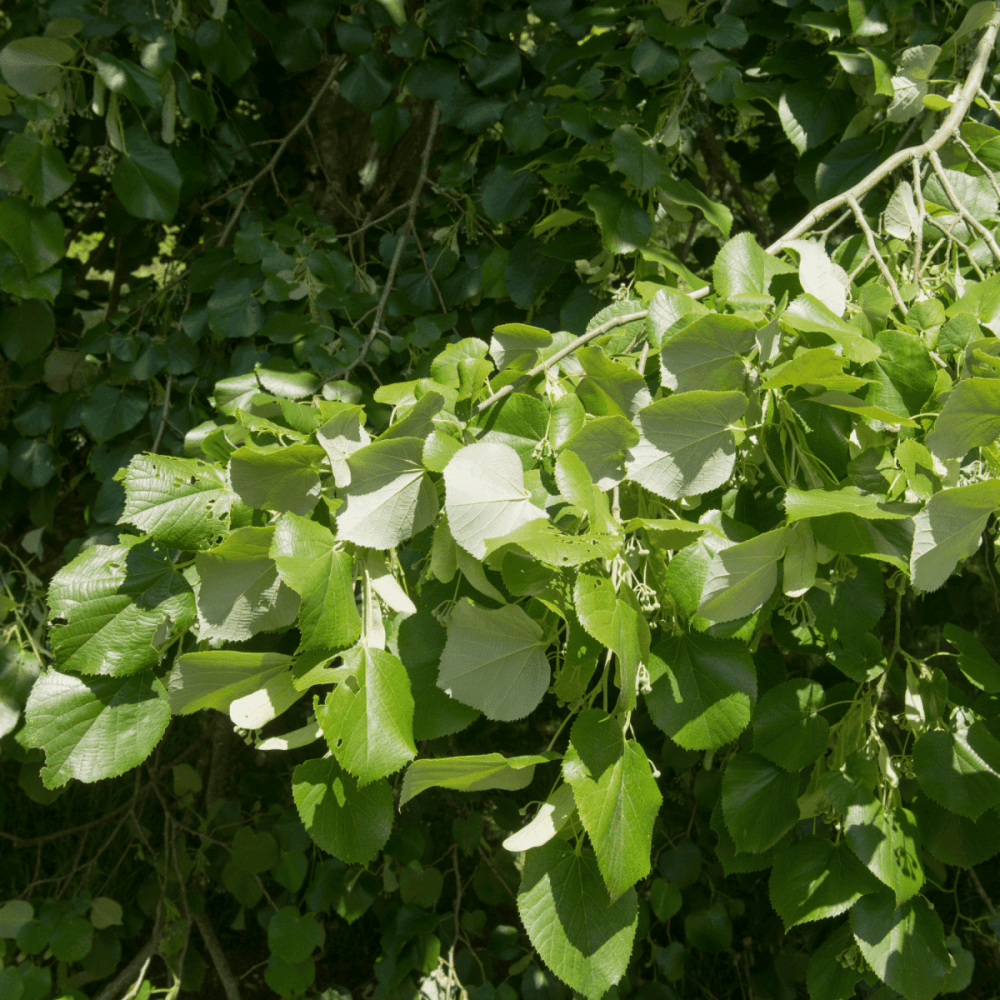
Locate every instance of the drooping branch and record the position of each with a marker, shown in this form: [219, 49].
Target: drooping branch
[944, 132]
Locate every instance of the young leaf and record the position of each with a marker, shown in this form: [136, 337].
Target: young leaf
[617, 797]
[494, 661]
[703, 690]
[582, 936]
[742, 267]
[241, 593]
[390, 498]
[472, 774]
[959, 770]
[903, 943]
[609, 388]
[118, 602]
[686, 446]
[817, 878]
[370, 731]
[759, 801]
[308, 562]
[93, 728]
[348, 822]
[485, 495]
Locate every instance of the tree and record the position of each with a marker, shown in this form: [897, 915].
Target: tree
[560, 439]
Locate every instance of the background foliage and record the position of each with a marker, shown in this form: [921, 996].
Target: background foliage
[265, 269]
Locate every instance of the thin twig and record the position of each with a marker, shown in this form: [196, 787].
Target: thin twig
[458, 925]
[874, 251]
[282, 146]
[492, 868]
[558, 356]
[941, 135]
[163, 414]
[408, 227]
[970, 221]
[427, 269]
[987, 902]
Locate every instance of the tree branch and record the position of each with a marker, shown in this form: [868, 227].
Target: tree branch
[408, 227]
[282, 146]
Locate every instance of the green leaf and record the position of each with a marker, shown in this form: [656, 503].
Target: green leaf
[233, 312]
[519, 421]
[224, 46]
[904, 944]
[241, 593]
[146, 179]
[33, 462]
[506, 195]
[827, 978]
[33, 66]
[308, 561]
[494, 661]
[801, 504]
[182, 502]
[472, 774]
[370, 731]
[652, 63]
[27, 331]
[860, 408]
[708, 354]
[217, 678]
[816, 879]
[955, 840]
[903, 378]
[517, 342]
[602, 445]
[110, 412]
[365, 87]
[847, 163]
[351, 823]
[959, 770]
[549, 545]
[817, 366]
[974, 660]
[93, 728]
[582, 936]
[285, 479]
[553, 814]
[640, 163]
[41, 168]
[970, 418]
[36, 235]
[683, 192]
[609, 388]
[624, 225]
[742, 268]
[787, 727]
[759, 802]
[703, 690]
[819, 276]
[807, 314]
[617, 796]
[291, 937]
[886, 842]
[949, 529]
[485, 495]
[686, 446]
[118, 602]
[390, 498]
[742, 577]
[810, 114]
[341, 436]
